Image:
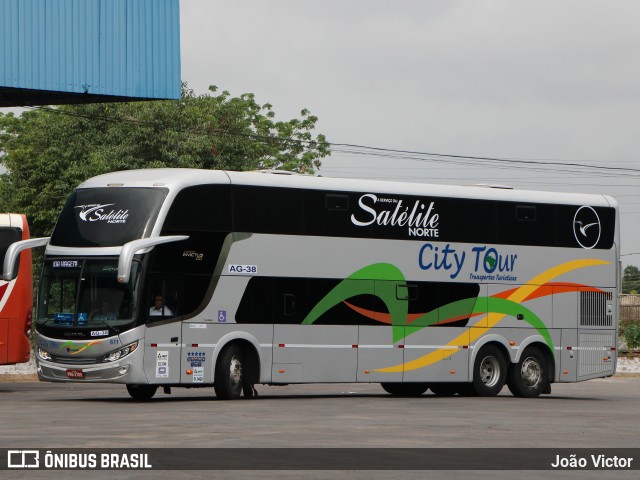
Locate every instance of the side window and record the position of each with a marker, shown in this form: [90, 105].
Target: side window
[203, 212]
[526, 224]
[268, 210]
[256, 305]
[164, 298]
[193, 261]
[334, 201]
[200, 208]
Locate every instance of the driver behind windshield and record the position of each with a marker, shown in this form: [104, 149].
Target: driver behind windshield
[105, 312]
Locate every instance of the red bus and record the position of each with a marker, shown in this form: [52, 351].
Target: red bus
[16, 296]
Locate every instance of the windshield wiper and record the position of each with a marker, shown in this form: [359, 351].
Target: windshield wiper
[104, 322]
[42, 324]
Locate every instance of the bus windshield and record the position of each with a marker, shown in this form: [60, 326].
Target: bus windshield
[76, 293]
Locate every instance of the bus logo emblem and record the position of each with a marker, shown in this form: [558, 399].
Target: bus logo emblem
[586, 227]
[23, 458]
[96, 213]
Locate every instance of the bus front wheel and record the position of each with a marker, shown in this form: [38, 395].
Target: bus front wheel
[229, 379]
[142, 392]
[528, 377]
[405, 389]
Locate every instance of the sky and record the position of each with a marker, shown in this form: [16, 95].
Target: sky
[552, 82]
[550, 88]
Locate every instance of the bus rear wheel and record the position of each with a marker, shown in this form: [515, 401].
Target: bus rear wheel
[142, 392]
[528, 377]
[405, 389]
[228, 383]
[489, 371]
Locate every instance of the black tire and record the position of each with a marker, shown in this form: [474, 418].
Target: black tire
[405, 389]
[229, 380]
[489, 371]
[529, 376]
[142, 393]
[444, 389]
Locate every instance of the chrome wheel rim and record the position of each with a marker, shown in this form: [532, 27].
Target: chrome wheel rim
[531, 372]
[489, 371]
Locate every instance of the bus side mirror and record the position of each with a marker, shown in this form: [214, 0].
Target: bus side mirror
[131, 248]
[11, 257]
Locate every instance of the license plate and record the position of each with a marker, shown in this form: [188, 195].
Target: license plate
[75, 373]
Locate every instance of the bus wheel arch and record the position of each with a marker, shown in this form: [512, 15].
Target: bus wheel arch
[490, 367]
[237, 370]
[531, 374]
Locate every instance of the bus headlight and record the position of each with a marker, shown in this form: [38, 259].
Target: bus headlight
[43, 354]
[118, 354]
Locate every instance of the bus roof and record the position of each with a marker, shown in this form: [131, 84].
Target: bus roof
[179, 178]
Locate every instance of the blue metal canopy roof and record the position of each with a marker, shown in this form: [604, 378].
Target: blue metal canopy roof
[77, 51]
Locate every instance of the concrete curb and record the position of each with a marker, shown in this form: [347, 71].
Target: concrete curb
[628, 365]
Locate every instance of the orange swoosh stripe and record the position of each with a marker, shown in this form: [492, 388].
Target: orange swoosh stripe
[547, 289]
[492, 319]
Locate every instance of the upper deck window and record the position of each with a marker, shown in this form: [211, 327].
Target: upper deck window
[107, 217]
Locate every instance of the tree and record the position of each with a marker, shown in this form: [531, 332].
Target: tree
[631, 279]
[49, 151]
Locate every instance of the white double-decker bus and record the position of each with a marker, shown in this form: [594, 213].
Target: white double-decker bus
[192, 278]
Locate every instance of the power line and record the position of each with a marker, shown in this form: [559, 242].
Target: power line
[492, 159]
[554, 166]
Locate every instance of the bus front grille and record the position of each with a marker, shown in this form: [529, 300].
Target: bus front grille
[76, 360]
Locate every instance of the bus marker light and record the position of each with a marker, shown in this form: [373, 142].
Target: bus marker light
[189, 372]
[281, 345]
[400, 346]
[452, 372]
[281, 371]
[194, 345]
[512, 343]
[367, 372]
[569, 348]
[154, 345]
[613, 349]
[354, 346]
[465, 347]
[566, 372]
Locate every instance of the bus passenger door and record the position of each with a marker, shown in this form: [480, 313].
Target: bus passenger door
[163, 336]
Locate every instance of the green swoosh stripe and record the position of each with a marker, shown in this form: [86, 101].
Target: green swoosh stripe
[362, 282]
[355, 285]
[472, 306]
